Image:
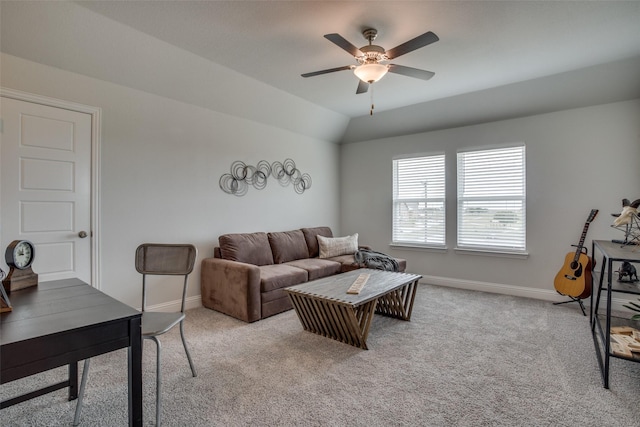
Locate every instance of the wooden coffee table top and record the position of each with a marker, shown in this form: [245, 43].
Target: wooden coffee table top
[335, 287]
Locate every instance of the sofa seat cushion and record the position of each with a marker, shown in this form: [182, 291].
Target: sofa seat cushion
[311, 236]
[347, 262]
[317, 268]
[288, 246]
[250, 248]
[280, 276]
[273, 295]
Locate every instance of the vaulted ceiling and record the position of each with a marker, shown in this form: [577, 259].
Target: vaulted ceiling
[483, 44]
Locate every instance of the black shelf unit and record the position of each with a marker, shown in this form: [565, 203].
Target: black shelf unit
[611, 253]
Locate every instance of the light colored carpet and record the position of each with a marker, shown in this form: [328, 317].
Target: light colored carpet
[465, 359]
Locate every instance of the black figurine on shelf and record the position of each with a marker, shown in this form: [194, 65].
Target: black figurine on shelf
[627, 273]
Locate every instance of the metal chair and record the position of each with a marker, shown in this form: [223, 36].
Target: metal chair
[157, 259]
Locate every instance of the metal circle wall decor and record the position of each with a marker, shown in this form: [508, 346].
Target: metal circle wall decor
[241, 176]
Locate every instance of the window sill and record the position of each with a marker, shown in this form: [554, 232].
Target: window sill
[419, 247]
[492, 253]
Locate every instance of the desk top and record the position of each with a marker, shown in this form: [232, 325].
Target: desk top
[58, 306]
[618, 252]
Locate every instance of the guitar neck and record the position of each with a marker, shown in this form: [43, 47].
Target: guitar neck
[582, 238]
[584, 235]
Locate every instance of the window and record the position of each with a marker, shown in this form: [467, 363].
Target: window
[418, 201]
[491, 199]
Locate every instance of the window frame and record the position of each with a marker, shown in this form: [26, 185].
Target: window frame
[425, 244]
[488, 248]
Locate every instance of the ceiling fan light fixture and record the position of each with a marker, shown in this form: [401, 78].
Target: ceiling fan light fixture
[370, 73]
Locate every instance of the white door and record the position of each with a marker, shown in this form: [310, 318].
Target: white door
[45, 185]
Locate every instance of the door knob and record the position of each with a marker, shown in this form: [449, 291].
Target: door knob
[82, 234]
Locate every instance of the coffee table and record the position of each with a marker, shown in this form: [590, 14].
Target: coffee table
[324, 307]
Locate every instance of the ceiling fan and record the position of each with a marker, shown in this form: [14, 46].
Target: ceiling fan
[372, 59]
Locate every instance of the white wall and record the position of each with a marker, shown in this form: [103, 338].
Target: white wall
[576, 160]
[161, 160]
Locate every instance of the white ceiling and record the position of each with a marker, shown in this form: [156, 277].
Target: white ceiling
[483, 44]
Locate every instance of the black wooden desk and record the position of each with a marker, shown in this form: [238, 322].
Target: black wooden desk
[60, 323]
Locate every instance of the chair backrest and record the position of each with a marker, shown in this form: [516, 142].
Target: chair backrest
[165, 259]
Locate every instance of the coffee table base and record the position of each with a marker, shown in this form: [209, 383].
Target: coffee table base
[347, 323]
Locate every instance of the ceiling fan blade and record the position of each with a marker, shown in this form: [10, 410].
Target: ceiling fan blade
[329, 70]
[411, 72]
[413, 44]
[363, 87]
[340, 41]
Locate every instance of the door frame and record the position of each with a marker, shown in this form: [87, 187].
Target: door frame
[96, 123]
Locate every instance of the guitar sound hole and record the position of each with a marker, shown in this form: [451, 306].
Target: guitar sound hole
[577, 268]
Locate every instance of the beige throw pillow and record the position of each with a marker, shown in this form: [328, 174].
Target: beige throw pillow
[336, 246]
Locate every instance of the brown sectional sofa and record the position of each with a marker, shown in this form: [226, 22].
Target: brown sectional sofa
[248, 273]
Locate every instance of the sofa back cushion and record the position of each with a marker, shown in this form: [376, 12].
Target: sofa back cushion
[311, 236]
[288, 246]
[252, 248]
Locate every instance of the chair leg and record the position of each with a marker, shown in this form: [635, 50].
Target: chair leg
[184, 343]
[83, 384]
[158, 379]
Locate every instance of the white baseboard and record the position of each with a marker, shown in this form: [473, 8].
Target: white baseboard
[519, 291]
[496, 288]
[172, 306]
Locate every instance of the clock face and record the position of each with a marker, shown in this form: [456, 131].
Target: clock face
[20, 254]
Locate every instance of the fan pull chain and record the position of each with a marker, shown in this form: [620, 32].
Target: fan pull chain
[371, 110]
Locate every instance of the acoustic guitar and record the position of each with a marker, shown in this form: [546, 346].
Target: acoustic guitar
[574, 278]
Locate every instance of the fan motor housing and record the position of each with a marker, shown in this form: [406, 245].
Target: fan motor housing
[372, 53]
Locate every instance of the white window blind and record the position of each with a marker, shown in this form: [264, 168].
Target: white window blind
[492, 199]
[419, 201]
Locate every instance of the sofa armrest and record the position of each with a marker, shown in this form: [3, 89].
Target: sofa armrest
[231, 287]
